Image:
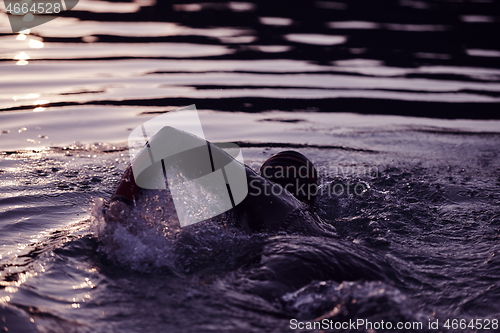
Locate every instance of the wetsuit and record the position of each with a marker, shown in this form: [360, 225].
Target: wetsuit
[265, 207]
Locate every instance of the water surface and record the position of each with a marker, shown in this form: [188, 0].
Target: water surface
[398, 98]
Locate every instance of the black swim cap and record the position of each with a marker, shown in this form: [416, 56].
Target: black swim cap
[294, 172]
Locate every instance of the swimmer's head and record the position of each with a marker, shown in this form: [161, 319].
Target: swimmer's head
[294, 172]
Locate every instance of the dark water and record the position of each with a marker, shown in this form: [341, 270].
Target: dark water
[415, 201]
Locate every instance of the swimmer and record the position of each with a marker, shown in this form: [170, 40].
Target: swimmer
[280, 198]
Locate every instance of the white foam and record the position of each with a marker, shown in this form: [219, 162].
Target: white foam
[143, 239]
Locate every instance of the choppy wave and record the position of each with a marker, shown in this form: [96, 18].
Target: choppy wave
[418, 243]
[420, 58]
[414, 200]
